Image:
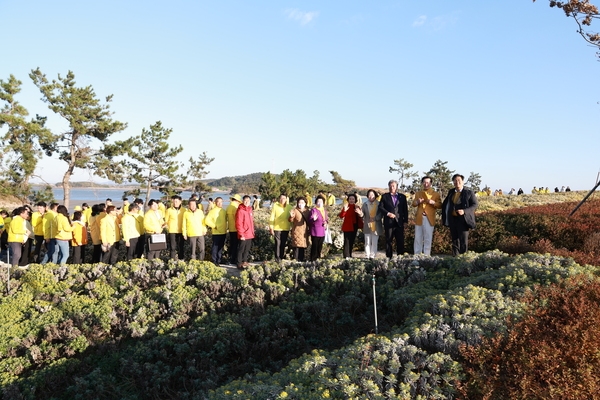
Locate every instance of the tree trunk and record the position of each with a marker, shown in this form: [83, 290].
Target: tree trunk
[148, 188]
[66, 184]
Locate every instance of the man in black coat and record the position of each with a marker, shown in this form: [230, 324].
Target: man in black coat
[394, 208]
[458, 213]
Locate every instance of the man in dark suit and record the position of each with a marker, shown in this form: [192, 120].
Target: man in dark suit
[394, 208]
[458, 213]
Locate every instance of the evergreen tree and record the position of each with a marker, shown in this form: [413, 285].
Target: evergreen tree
[269, 189]
[152, 161]
[474, 181]
[196, 172]
[90, 125]
[341, 186]
[20, 146]
[441, 177]
[403, 168]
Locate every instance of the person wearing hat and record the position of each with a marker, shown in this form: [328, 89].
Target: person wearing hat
[235, 202]
[77, 208]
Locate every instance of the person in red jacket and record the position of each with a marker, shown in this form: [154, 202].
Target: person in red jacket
[244, 223]
[352, 215]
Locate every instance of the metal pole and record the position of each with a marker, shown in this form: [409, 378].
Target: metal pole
[584, 199]
[375, 304]
[8, 272]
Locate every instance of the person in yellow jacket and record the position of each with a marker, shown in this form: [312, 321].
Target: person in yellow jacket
[4, 224]
[162, 209]
[64, 233]
[309, 199]
[98, 215]
[217, 221]
[50, 235]
[154, 223]
[87, 213]
[232, 250]
[110, 234]
[174, 221]
[37, 221]
[426, 201]
[140, 204]
[330, 199]
[279, 225]
[18, 233]
[194, 229]
[126, 205]
[132, 224]
[79, 238]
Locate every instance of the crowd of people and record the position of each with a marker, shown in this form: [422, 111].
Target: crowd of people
[487, 191]
[50, 234]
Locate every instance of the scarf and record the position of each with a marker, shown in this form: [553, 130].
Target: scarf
[322, 211]
[372, 212]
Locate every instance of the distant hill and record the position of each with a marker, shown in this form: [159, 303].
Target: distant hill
[238, 184]
[84, 184]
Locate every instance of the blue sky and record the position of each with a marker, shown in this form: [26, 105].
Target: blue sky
[503, 88]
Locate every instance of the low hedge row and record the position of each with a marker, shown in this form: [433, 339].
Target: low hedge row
[178, 330]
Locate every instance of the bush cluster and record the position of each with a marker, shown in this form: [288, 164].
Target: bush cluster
[188, 330]
[551, 352]
[546, 228]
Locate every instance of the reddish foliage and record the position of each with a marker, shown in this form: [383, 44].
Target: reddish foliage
[543, 229]
[551, 353]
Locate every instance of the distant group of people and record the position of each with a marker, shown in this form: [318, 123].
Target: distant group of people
[488, 191]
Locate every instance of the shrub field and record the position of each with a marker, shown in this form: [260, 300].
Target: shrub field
[188, 330]
[447, 327]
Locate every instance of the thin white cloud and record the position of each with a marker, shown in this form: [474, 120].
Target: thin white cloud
[420, 21]
[304, 17]
[437, 23]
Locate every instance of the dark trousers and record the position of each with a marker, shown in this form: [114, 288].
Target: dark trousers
[460, 235]
[16, 249]
[280, 242]
[316, 247]
[77, 252]
[299, 253]
[39, 241]
[233, 248]
[176, 242]
[4, 244]
[349, 238]
[394, 232]
[197, 244]
[25, 253]
[136, 248]
[244, 250]
[112, 255]
[51, 252]
[152, 254]
[218, 242]
[97, 253]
